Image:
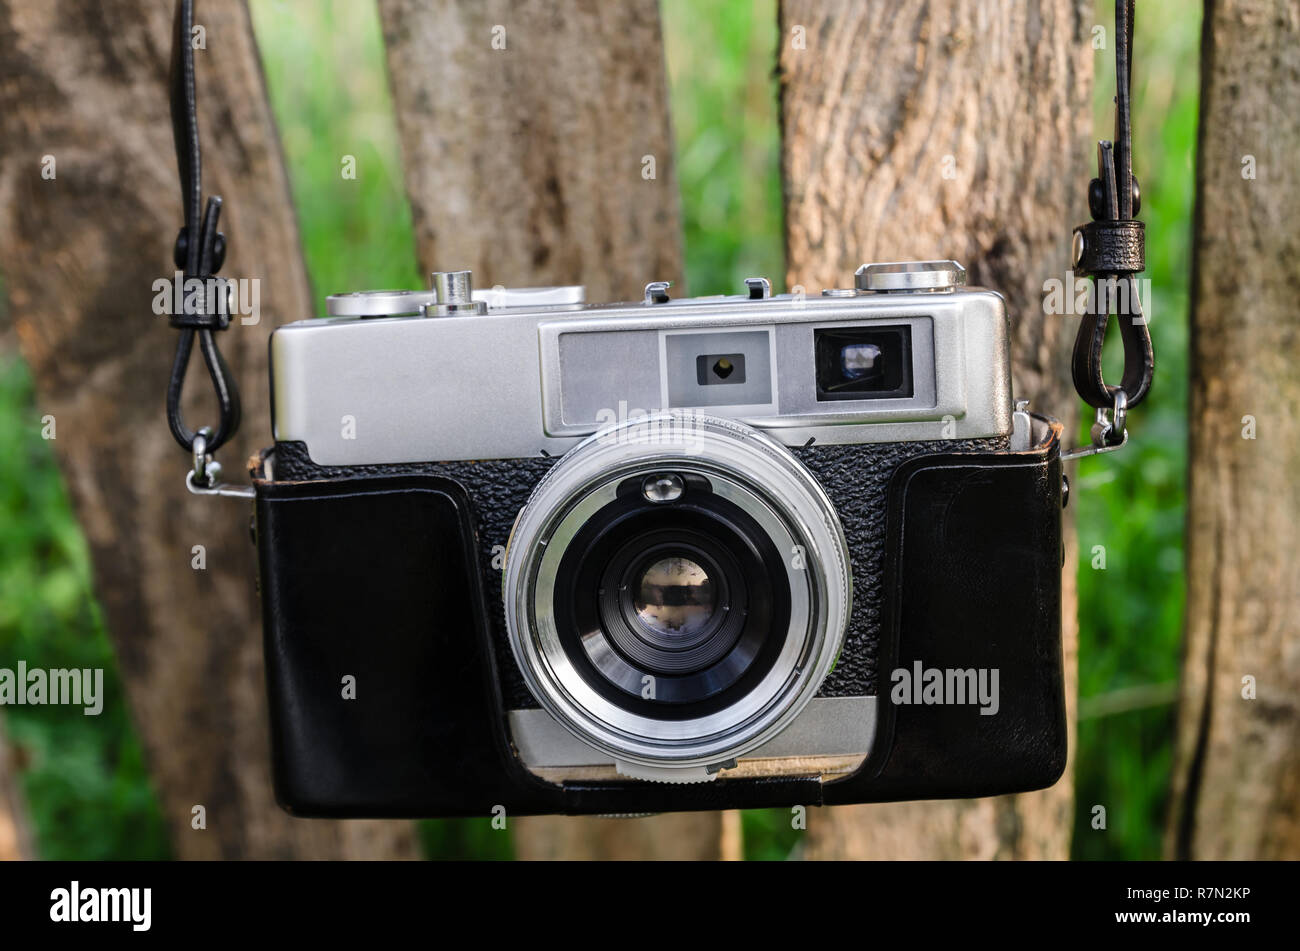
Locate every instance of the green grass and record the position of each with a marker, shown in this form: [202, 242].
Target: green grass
[88, 792]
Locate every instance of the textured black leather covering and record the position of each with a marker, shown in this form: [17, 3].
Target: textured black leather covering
[366, 571]
[973, 582]
[855, 477]
[857, 480]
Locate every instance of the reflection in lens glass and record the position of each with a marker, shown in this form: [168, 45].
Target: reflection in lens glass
[858, 360]
[675, 598]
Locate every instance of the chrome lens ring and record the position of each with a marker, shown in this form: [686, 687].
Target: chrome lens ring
[749, 470]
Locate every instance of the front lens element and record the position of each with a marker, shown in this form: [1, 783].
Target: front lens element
[675, 600]
[675, 629]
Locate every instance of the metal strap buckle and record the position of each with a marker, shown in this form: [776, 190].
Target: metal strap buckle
[1108, 432]
[205, 477]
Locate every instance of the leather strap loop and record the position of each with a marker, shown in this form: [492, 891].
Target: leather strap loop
[1111, 247]
[200, 252]
[1112, 250]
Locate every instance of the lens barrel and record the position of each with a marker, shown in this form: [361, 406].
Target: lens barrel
[676, 589]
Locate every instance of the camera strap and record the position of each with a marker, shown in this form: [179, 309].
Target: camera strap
[1112, 250]
[199, 253]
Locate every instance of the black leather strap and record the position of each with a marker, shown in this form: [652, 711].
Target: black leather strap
[1112, 247]
[199, 253]
[1112, 250]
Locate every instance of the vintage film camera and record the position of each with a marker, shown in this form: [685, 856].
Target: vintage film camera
[522, 552]
[713, 552]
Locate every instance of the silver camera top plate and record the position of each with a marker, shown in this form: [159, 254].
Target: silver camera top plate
[540, 369]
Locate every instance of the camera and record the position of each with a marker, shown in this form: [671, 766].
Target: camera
[518, 551]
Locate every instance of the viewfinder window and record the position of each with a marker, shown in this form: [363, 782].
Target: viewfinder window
[863, 363]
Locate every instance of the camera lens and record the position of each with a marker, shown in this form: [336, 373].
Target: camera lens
[674, 601]
[675, 630]
[686, 596]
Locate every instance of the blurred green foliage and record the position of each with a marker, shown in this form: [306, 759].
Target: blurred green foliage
[721, 58]
[1132, 502]
[329, 91]
[87, 789]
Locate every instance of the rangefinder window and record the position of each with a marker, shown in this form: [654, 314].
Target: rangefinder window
[863, 363]
[711, 369]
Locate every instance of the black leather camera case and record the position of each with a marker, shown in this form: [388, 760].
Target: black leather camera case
[388, 676]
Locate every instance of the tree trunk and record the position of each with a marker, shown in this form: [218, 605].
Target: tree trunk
[538, 150]
[16, 841]
[536, 140]
[85, 85]
[1237, 757]
[948, 129]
